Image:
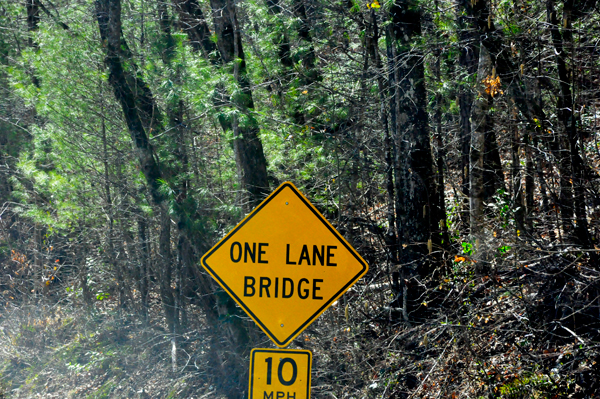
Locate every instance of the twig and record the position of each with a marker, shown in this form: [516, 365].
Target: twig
[573, 334]
[430, 371]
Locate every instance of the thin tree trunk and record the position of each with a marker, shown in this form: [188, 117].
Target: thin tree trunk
[307, 66]
[393, 79]
[493, 175]
[480, 124]
[516, 177]
[33, 20]
[442, 240]
[110, 213]
[547, 218]
[179, 168]
[529, 181]
[33, 24]
[109, 21]
[169, 297]
[572, 179]
[393, 110]
[143, 267]
[391, 233]
[468, 60]
[165, 272]
[478, 17]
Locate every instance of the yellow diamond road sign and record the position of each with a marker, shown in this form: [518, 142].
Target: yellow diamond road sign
[284, 264]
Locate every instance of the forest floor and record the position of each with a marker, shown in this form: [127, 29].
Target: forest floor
[526, 327]
[50, 352]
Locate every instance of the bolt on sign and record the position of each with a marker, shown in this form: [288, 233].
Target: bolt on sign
[284, 264]
[279, 374]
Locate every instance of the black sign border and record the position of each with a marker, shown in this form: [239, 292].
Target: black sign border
[312, 318]
[286, 351]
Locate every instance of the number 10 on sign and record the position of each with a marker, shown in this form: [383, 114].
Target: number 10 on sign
[280, 374]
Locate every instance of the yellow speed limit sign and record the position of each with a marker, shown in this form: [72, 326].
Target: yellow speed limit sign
[280, 374]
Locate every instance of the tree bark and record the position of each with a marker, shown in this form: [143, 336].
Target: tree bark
[529, 181]
[516, 185]
[469, 56]
[192, 22]
[109, 21]
[572, 179]
[416, 186]
[143, 268]
[480, 124]
[250, 158]
[33, 21]
[441, 240]
[477, 16]
[307, 66]
[391, 238]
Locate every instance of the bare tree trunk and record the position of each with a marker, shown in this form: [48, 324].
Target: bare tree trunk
[468, 61]
[480, 124]
[109, 21]
[393, 127]
[33, 23]
[547, 219]
[479, 16]
[529, 181]
[441, 240]
[179, 168]
[192, 22]
[572, 179]
[391, 233]
[143, 267]
[516, 177]
[112, 257]
[250, 159]
[307, 66]
[33, 19]
[165, 275]
[417, 191]
[85, 288]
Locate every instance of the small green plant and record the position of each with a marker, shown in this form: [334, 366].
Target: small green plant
[502, 207]
[525, 386]
[102, 296]
[504, 249]
[467, 248]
